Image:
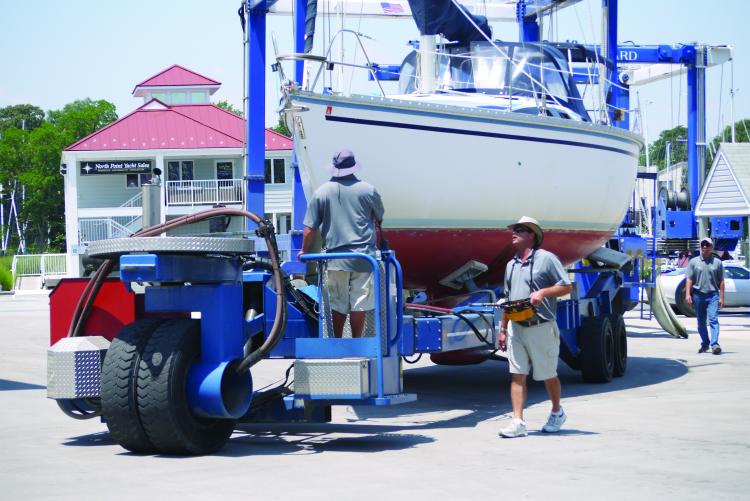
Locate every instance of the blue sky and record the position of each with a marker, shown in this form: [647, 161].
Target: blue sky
[56, 52]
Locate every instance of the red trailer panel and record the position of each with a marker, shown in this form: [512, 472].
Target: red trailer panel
[113, 308]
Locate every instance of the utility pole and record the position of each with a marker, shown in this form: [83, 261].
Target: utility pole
[2, 221]
[731, 94]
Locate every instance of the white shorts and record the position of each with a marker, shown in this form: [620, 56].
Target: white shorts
[536, 348]
[350, 291]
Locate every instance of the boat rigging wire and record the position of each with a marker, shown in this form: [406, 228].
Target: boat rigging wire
[498, 49]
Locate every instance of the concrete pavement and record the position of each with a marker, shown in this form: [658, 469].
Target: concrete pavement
[674, 427]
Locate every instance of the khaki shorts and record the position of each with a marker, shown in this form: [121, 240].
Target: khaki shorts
[536, 347]
[350, 291]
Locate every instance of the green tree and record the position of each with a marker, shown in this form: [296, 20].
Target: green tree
[44, 207]
[32, 159]
[82, 117]
[658, 149]
[226, 105]
[281, 127]
[21, 116]
[741, 135]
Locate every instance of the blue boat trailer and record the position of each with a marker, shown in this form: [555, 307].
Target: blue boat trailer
[173, 380]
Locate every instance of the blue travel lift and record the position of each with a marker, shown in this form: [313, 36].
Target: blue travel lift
[176, 380]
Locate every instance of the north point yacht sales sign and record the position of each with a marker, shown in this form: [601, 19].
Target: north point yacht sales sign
[116, 167]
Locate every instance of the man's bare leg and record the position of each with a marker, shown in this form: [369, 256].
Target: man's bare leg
[339, 319]
[357, 321]
[518, 394]
[554, 389]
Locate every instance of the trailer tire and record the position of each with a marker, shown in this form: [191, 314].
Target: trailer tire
[119, 385]
[162, 396]
[597, 349]
[620, 344]
[686, 309]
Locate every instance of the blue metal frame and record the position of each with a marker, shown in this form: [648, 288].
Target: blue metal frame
[216, 292]
[256, 107]
[378, 330]
[298, 196]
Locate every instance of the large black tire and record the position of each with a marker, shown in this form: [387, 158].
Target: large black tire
[621, 345]
[162, 396]
[686, 309]
[119, 385]
[597, 350]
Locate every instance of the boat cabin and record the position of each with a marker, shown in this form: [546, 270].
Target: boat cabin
[521, 74]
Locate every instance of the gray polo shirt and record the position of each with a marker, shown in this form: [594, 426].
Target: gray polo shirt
[343, 210]
[706, 275]
[543, 269]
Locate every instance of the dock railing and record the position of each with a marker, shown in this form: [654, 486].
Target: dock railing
[43, 266]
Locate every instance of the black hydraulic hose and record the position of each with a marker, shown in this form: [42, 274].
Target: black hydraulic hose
[414, 361]
[265, 230]
[446, 311]
[474, 329]
[298, 297]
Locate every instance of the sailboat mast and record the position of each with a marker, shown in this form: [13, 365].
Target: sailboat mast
[427, 53]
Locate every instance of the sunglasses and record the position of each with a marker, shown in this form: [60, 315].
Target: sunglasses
[706, 246]
[521, 229]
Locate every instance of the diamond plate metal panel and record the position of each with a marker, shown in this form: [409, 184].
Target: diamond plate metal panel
[348, 377]
[74, 367]
[184, 245]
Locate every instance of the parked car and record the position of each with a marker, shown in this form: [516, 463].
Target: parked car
[736, 288]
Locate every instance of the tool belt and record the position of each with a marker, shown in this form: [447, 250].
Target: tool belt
[531, 323]
[520, 310]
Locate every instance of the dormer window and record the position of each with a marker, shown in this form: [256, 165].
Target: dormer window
[177, 85]
[181, 97]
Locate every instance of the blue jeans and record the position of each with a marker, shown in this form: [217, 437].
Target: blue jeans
[707, 305]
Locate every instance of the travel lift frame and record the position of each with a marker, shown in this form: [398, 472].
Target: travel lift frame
[169, 381]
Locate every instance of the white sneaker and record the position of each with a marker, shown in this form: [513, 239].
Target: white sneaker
[516, 428]
[554, 423]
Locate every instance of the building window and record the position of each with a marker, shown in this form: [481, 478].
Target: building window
[136, 180]
[275, 171]
[283, 222]
[180, 171]
[199, 97]
[179, 98]
[224, 170]
[161, 96]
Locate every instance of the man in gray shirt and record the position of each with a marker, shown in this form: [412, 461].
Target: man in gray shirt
[704, 288]
[346, 211]
[537, 275]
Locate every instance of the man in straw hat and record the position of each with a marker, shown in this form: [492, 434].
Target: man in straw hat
[538, 275]
[704, 288]
[346, 211]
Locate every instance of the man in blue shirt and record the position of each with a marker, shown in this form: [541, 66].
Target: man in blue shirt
[704, 287]
[346, 211]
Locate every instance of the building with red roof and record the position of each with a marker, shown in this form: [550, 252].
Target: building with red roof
[195, 147]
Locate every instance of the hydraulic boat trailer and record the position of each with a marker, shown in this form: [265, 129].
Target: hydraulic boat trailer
[163, 354]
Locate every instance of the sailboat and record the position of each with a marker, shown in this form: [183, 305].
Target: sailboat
[479, 133]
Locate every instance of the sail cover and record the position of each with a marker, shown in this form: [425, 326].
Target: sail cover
[443, 17]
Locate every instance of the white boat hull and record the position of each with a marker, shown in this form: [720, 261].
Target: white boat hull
[449, 169]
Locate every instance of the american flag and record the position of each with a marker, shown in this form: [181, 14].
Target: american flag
[392, 8]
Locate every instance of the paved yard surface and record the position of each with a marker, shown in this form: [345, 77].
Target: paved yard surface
[676, 426]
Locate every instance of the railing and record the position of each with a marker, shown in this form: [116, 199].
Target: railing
[136, 201]
[283, 242]
[205, 192]
[105, 228]
[43, 265]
